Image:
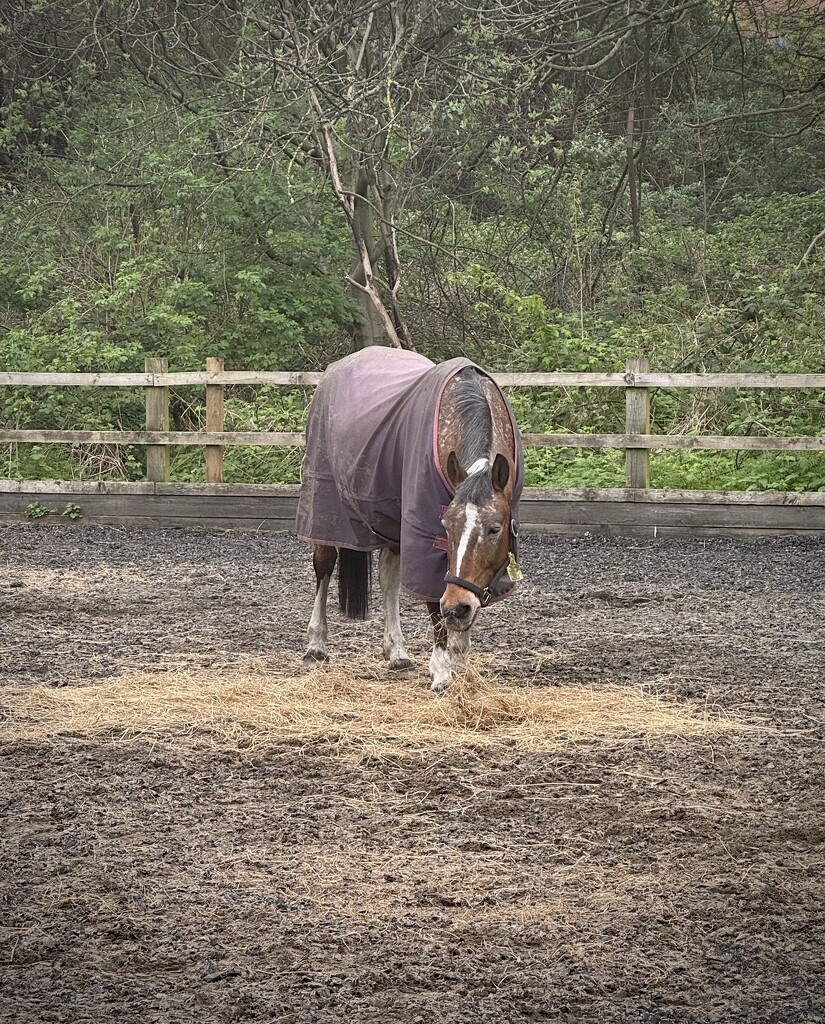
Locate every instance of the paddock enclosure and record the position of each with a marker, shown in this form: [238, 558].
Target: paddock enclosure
[617, 817]
[634, 510]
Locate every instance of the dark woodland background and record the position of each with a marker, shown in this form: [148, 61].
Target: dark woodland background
[537, 185]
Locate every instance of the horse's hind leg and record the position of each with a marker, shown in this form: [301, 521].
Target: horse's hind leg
[323, 562]
[389, 576]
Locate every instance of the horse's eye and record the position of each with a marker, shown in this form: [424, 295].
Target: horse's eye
[493, 531]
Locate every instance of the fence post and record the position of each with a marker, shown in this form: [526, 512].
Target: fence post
[637, 421]
[157, 418]
[214, 421]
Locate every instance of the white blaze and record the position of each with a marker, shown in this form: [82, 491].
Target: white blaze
[470, 524]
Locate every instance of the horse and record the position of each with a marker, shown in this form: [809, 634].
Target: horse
[422, 462]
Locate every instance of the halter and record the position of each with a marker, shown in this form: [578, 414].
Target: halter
[485, 594]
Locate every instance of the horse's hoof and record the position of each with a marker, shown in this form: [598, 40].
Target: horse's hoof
[401, 665]
[440, 686]
[314, 658]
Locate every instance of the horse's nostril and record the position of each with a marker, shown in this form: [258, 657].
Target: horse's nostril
[457, 612]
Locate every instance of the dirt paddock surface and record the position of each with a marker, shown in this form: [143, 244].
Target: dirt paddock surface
[618, 817]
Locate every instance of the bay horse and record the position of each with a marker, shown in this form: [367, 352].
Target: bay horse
[423, 462]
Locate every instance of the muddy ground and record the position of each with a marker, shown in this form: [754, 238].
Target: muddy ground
[627, 878]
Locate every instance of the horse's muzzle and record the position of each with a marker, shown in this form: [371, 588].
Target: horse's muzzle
[459, 614]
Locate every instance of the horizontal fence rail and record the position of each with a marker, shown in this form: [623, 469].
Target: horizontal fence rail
[637, 441]
[308, 378]
[200, 438]
[573, 512]
[281, 439]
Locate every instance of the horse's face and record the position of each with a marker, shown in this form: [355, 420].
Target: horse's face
[477, 522]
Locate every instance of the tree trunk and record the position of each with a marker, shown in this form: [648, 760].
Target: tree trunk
[632, 177]
[370, 328]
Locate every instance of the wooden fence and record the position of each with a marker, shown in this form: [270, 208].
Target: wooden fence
[635, 509]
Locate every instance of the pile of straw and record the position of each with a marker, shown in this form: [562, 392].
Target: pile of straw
[356, 708]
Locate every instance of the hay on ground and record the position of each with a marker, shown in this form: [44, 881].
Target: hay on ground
[359, 708]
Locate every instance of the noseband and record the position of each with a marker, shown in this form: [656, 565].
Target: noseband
[485, 594]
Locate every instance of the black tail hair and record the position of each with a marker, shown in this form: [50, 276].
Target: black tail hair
[354, 582]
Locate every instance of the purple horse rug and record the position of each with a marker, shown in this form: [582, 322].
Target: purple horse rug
[371, 476]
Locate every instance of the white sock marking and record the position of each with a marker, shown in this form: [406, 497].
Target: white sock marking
[445, 664]
[317, 629]
[440, 670]
[389, 576]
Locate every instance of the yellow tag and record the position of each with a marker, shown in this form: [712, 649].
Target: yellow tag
[513, 572]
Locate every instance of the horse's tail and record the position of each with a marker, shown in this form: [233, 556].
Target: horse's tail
[354, 582]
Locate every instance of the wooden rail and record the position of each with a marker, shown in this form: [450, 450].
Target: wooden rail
[281, 439]
[637, 441]
[308, 378]
[635, 512]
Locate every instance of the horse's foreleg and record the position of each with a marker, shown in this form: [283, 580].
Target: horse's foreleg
[323, 562]
[450, 650]
[389, 576]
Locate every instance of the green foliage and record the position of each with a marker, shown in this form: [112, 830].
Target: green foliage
[36, 511]
[168, 254]
[165, 256]
[739, 471]
[254, 409]
[140, 217]
[70, 510]
[701, 471]
[573, 467]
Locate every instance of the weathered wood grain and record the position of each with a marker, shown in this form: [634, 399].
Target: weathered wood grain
[294, 439]
[151, 522]
[652, 533]
[199, 438]
[619, 511]
[637, 421]
[96, 380]
[74, 487]
[787, 518]
[546, 494]
[683, 441]
[189, 506]
[219, 490]
[307, 378]
[158, 463]
[214, 423]
[629, 494]
[648, 379]
[182, 378]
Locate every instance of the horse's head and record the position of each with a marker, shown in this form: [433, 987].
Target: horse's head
[478, 524]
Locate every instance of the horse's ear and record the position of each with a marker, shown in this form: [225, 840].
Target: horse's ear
[455, 474]
[500, 472]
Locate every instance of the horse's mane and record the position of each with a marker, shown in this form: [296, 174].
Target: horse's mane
[475, 417]
[473, 411]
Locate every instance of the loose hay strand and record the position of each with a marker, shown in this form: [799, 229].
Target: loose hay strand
[354, 709]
